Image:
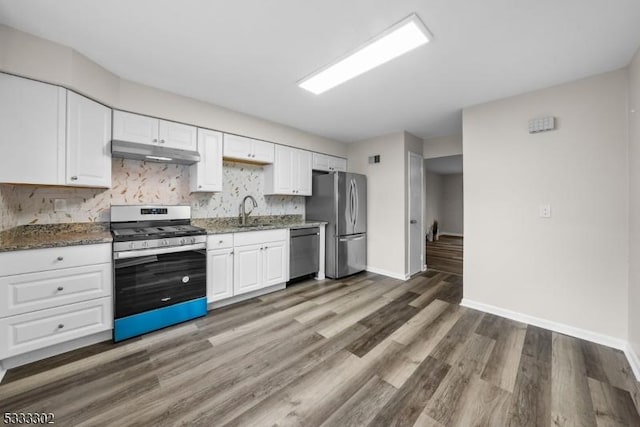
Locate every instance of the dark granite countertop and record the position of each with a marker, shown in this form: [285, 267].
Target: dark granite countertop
[54, 235]
[230, 225]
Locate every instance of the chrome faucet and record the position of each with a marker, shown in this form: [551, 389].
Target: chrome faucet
[244, 215]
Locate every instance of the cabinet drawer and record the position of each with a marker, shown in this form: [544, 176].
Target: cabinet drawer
[32, 331]
[257, 237]
[219, 241]
[23, 293]
[34, 260]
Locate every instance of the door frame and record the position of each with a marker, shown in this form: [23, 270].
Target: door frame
[420, 189]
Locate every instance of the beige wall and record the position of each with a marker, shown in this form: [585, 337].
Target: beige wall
[452, 204]
[443, 146]
[385, 199]
[29, 56]
[634, 204]
[572, 268]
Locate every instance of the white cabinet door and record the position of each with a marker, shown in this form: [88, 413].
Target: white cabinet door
[88, 137]
[248, 149]
[135, 128]
[219, 274]
[302, 172]
[247, 268]
[206, 175]
[32, 122]
[275, 264]
[237, 147]
[320, 162]
[263, 151]
[282, 170]
[338, 164]
[177, 135]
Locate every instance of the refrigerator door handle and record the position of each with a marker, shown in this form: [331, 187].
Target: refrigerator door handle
[352, 204]
[347, 239]
[357, 204]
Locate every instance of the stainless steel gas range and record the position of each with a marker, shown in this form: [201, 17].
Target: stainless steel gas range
[160, 268]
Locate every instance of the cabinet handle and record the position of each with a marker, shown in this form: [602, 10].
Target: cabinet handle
[155, 139]
[162, 141]
[60, 326]
[266, 247]
[74, 178]
[220, 242]
[199, 186]
[231, 253]
[60, 288]
[60, 258]
[165, 299]
[248, 155]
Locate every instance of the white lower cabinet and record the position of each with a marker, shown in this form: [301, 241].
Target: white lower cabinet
[50, 296]
[32, 331]
[247, 271]
[257, 260]
[219, 274]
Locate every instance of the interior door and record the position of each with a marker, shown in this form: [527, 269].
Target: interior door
[416, 240]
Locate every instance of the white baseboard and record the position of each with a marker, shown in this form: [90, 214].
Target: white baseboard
[446, 233]
[584, 334]
[399, 276]
[634, 360]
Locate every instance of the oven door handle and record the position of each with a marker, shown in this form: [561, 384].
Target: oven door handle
[159, 251]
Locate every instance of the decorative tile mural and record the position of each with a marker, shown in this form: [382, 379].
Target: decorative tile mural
[135, 183]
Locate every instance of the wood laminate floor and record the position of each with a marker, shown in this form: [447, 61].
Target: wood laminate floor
[445, 254]
[367, 350]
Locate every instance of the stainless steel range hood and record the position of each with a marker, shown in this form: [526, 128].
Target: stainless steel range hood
[153, 153]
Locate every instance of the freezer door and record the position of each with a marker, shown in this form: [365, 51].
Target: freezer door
[351, 254]
[352, 203]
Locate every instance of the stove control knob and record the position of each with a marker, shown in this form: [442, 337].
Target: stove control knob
[145, 244]
[183, 241]
[165, 242]
[132, 245]
[193, 240]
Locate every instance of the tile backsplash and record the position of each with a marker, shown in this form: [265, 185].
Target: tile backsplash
[136, 182]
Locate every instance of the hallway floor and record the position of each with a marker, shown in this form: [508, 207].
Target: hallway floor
[445, 254]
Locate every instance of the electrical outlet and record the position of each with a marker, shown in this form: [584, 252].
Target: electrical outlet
[545, 211]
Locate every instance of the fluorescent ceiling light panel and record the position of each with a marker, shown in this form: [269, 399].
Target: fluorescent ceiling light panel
[403, 37]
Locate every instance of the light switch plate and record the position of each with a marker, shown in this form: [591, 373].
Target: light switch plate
[545, 211]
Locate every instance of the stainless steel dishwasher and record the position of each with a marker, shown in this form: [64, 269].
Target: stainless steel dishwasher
[304, 252]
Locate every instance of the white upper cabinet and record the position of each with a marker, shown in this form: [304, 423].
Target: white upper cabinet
[324, 162]
[290, 172]
[54, 136]
[135, 128]
[32, 120]
[151, 131]
[177, 135]
[248, 149]
[206, 175]
[88, 138]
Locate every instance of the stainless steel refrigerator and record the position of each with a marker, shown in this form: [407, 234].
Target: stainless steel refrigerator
[340, 198]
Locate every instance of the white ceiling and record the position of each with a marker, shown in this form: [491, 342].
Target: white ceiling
[444, 165]
[247, 55]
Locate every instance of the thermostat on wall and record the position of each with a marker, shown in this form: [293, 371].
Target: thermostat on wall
[542, 124]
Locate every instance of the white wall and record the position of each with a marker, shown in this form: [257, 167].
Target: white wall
[385, 200]
[30, 56]
[572, 268]
[442, 146]
[634, 204]
[452, 204]
[433, 196]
